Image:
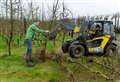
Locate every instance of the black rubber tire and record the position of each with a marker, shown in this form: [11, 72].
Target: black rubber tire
[65, 47]
[76, 51]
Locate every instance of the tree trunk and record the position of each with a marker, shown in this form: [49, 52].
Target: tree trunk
[9, 48]
[11, 30]
[25, 25]
[6, 9]
[63, 37]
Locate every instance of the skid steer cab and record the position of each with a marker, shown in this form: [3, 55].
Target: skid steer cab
[99, 38]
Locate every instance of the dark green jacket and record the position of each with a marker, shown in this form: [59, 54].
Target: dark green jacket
[30, 33]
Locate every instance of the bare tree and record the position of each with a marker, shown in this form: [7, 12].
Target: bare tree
[55, 10]
[31, 10]
[63, 16]
[10, 5]
[43, 13]
[25, 24]
[37, 8]
[11, 29]
[118, 16]
[6, 9]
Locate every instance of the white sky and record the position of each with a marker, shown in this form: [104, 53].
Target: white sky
[87, 7]
[94, 7]
[82, 7]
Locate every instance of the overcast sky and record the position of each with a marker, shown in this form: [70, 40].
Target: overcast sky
[80, 7]
[87, 7]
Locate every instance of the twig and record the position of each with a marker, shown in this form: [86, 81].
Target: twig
[62, 64]
[108, 67]
[93, 71]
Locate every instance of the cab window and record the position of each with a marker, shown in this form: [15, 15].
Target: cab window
[107, 28]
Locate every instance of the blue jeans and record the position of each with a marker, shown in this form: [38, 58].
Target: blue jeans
[29, 46]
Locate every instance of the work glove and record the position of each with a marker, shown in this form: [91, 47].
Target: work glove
[47, 31]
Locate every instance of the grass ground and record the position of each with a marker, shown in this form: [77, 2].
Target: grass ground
[13, 68]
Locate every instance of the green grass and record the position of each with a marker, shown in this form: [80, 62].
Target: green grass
[95, 81]
[13, 68]
[2, 43]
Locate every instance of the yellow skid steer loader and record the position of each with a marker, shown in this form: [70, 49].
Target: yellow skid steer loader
[99, 39]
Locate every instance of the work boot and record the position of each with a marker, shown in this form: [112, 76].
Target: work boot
[30, 64]
[29, 61]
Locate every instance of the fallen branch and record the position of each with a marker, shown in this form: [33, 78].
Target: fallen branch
[61, 61]
[108, 67]
[93, 71]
